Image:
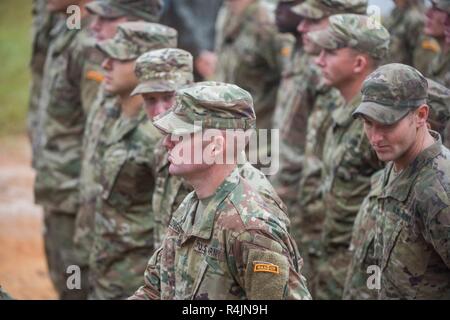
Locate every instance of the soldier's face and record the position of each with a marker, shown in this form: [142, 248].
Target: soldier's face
[158, 102]
[103, 28]
[187, 155]
[120, 77]
[287, 21]
[60, 5]
[307, 25]
[434, 22]
[337, 66]
[397, 141]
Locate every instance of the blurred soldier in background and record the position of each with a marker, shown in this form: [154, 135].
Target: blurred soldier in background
[437, 25]
[103, 113]
[352, 47]
[409, 45]
[123, 234]
[195, 21]
[308, 102]
[62, 110]
[43, 23]
[251, 53]
[161, 73]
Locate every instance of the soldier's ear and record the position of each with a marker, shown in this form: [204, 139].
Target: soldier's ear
[421, 114]
[361, 63]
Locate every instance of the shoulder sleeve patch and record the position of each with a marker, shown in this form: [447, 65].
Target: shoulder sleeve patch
[431, 45]
[286, 51]
[266, 275]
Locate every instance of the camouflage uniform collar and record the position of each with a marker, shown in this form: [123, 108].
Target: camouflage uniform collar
[342, 116]
[203, 228]
[406, 179]
[123, 126]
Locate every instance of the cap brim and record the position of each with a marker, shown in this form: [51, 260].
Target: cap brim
[155, 86]
[170, 123]
[324, 39]
[104, 10]
[116, 50]
[380, 113]
[307, 11]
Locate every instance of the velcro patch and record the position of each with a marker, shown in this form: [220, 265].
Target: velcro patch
[266, 267]
[286, 51]
[94, 75]
[431, 45]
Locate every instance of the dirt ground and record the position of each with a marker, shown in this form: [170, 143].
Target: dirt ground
[23, 268]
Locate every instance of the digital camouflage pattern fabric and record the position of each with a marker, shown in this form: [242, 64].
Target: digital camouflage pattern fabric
[101, 118]
[391, 91]
[412, 233]
[135, 38]
[163, 70]
[123, 238]
[62, 112]
[252, 54]
[354, 31]
[318, 9]
[42, 24]
[362, 246]
[439, 116]
[307, 104]
[146, 10]
[240, 249]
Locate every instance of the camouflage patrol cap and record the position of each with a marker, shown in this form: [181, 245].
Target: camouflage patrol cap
[390, 92]
[213, 104]
[439, 103]
[443, 5]
[163, 70]
[147, 10]
[355, 31]
[135, 38]
[318, 9]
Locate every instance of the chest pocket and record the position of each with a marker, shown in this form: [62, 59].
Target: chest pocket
[115, 159]
[405, 254]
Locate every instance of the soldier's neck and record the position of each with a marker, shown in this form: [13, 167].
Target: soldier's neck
[205, 183]
[130, 105]
[352, 87]
[423, 140]
[238, 6]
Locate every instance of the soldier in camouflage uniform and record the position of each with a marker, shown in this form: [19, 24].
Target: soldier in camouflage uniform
[123, 238]
[307, 103]
[352, 46]
[412, 238]
[225, 241]
[362, 244]
[251, 53]
[43, 22]
[438, 20]
[61, 116]
[104, 111]
[409, 45]
[161, 73]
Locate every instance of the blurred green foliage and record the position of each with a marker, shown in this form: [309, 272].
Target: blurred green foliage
[15, 48]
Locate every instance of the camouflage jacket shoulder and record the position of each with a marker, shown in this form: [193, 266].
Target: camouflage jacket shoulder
[413, 241]
[237, 235]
